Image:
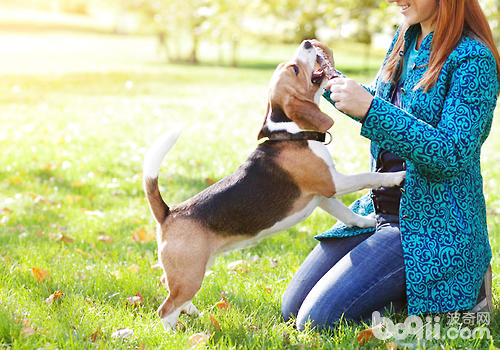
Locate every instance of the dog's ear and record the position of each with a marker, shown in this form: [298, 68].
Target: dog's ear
[307, 115]
[262, 132]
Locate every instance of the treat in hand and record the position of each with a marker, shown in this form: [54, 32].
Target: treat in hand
[326, 65]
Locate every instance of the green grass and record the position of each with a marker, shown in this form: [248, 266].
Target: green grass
[72, 149]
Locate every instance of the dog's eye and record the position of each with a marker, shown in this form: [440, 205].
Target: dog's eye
[296, 69]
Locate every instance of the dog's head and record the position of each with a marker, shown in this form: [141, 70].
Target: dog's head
[295, 89]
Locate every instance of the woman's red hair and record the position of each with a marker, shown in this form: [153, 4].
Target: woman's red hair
[453, 17]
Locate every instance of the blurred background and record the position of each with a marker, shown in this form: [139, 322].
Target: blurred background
[61, 35]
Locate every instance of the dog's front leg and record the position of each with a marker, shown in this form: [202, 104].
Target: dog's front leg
[336, 208]
[345, 184]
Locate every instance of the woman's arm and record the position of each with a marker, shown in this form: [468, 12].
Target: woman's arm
[466, 116]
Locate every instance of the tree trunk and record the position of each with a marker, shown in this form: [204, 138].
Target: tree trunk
[194, 50]
[234, 51]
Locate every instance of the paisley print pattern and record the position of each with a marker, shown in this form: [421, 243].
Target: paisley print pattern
[442, 212]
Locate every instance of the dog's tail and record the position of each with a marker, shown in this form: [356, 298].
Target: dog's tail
[151, 168]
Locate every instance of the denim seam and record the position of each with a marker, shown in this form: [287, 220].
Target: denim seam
[373, 285]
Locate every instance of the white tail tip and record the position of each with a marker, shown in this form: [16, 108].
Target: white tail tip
[157, 152]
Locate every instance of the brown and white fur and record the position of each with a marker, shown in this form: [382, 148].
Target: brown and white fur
[278, 186]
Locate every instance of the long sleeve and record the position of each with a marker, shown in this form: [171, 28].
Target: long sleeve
[466, 119]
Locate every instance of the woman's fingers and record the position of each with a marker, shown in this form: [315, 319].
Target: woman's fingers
[349, 96]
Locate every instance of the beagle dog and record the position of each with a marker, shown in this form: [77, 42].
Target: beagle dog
[278, 186]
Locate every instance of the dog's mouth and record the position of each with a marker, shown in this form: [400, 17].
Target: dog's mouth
[317, 76]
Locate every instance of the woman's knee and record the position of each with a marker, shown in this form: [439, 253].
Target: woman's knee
[289, 305]
[317, 317]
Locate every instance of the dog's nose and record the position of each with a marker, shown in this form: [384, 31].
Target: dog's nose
[307, 45]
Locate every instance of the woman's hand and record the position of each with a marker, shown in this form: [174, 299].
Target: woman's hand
[349, 96]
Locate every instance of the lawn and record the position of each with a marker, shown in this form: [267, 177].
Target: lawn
[74, 223]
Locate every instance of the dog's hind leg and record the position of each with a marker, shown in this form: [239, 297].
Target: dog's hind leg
[185, 268]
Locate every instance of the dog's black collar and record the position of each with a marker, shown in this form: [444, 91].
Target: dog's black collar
[299, 136]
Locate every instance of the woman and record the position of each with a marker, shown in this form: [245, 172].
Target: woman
[429, 112]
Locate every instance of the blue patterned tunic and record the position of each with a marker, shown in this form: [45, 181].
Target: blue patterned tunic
[439, 134]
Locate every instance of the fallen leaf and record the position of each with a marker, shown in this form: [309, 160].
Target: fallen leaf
[135, 301]
[134, 268]
[214, 322]
[27, 331]
[198, 339]
[222, 304]
[76, 184]
[72, 199]
[179, 326]
[54, 296]
[238, 265]
[40, 275]
[364, 336]
[93, 336]
[105, 239]
[269, 289]
[122, 333]
[16, 180]
[142, 347]
[81, 252]
[391, 346]
[63, 238]
[142, 236]
[6, 210]
[210, 181]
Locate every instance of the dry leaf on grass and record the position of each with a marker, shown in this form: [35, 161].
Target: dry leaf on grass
[222, 304]
[238, 265]
[135, 301]
[142, 236]
[54, 296]
[105, 239]
[27, 331]
[274, 262]
[40, 275]
[364, 336]
[210, 181]
[214, 322]
[122, 333]
[16, 180]
[93, 337]
[62, 238]
[391, 346]
[134, 268]
[81, 252]
[198, 339]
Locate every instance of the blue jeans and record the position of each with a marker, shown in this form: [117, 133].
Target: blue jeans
[349, 277]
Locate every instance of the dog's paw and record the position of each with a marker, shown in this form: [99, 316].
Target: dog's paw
[190, 309]
[362, 221]
[169, 324]
[368, 221]
[394, 179]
